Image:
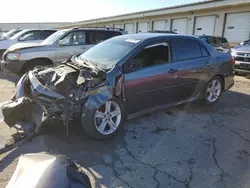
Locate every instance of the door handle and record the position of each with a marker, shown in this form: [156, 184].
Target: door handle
[172, 71]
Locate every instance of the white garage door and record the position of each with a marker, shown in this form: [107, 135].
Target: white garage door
[237, 28]
[142, 27]
[160, 25]
[129, 27]
[180, 26]
[204, 25]
[120, 26]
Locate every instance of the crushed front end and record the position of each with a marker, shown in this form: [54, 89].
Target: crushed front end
[61, 92]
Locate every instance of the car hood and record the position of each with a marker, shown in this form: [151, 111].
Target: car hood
[244, 49]
[5, 44]
[21, 46]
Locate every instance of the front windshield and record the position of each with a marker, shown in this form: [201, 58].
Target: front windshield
[52, 38]
[13, 33]
[108, 53]
[8, 33]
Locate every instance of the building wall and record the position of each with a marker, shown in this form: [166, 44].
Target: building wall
[9, 26]
[220, 14]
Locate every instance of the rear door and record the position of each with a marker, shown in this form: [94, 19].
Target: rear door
[30, 37]
[71, 44]
[193, 60]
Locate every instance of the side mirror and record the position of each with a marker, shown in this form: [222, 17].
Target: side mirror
[60, 43]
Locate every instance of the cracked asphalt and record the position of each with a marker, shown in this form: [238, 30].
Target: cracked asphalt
[187, 146]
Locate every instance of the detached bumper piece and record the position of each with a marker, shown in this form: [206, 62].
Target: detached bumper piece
[23, 109]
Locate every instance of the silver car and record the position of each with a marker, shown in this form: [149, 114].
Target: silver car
[241, 55]
[60, 46]
[25, 36]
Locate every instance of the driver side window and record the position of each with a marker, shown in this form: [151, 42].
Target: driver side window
[73, 38]
[151, 55]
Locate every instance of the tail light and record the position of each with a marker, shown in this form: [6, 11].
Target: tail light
[233, 61]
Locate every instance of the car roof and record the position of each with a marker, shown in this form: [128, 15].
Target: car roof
[147, 36]
[99, 29]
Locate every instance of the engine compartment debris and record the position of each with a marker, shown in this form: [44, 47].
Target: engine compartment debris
[64, 92]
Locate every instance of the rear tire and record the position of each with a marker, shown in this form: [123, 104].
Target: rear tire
[212, 91]
[32, 64]
[102, 123]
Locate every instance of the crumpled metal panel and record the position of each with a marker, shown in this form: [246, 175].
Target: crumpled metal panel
[102, 95]
[40, 170]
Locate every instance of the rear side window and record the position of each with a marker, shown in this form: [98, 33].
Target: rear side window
[187, 49]
[31, 35]
[223, 40]
[96, 37]
[46, 33]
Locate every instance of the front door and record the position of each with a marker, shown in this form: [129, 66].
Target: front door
[151, 79]
[71, 44]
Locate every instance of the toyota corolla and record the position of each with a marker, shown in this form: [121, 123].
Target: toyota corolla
[125, 77]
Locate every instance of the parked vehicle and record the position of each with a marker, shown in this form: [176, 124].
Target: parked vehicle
[27, 35]
[224, 42]
[21, 58]
[125, 77]
[241, 54]
[221, 46]
[37, 170]
[9, 34]
[244, 43]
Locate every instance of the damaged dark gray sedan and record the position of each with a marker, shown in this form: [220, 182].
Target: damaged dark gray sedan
[125, 77]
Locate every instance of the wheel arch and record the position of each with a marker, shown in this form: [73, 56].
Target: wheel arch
[47, 61]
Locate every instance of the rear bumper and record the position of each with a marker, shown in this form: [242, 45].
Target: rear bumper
[14, 67]
[242, 67]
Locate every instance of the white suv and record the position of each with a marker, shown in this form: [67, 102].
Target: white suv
[27, 35]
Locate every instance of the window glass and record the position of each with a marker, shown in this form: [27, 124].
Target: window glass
[216, 40]
[247, 43]
[187, 49]
[96, 37]
[204, 51]
[74, 38]
[46, 33]
[152, 55]
[109, 52]
[210, 40]
[223, 40]
[32, 35]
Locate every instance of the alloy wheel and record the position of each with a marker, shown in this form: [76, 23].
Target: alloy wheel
[213, 90]
[108, 118]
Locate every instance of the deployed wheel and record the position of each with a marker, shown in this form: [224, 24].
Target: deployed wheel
[212, 91]
[104, 122]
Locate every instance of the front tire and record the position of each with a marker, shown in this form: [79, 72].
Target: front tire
[104, 122]
[212, 91]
